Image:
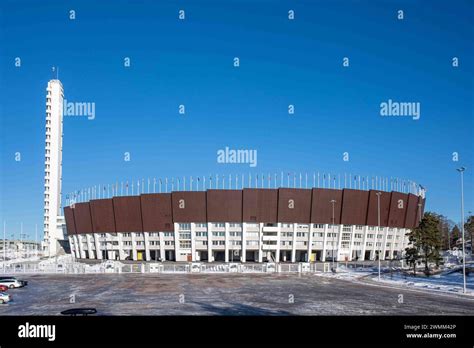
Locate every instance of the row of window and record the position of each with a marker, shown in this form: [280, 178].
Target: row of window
[187, 226]
[345, 236]
[187, 244]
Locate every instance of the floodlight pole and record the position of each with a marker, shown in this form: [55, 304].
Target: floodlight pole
[461, 170]
[378, 224]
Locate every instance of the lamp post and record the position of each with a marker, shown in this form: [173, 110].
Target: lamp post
[461, 170]
[378, 224]
[333, 222]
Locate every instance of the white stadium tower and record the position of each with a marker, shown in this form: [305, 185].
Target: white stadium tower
[54, 224]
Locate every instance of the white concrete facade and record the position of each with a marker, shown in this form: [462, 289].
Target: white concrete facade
[54, 224]
[246, 242]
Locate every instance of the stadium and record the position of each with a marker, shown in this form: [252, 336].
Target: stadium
[245, 225]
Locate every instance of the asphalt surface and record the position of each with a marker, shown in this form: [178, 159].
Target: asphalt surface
[223, 294]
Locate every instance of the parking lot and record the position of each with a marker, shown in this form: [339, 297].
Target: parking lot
[222, 294]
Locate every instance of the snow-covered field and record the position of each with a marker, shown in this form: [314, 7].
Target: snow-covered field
[449, 283]
[452, 283]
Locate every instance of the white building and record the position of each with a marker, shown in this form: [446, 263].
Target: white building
[246, 242]
[54, 224]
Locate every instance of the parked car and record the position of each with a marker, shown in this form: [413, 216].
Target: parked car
[13, 283]
[4, 297]
[79, 311]
[3, 288]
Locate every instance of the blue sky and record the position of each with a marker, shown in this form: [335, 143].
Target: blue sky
[282, 62]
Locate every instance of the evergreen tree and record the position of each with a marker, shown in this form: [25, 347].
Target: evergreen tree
[455, 235]
[444, 227]
[425, 242]
[469, 229]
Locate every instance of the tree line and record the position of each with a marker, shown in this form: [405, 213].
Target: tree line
[434, 234]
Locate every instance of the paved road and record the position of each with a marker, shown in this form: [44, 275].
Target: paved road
[223, 294]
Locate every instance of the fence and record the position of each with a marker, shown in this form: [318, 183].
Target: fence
[74, 267]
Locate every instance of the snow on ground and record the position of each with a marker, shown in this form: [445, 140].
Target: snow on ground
[449, 283]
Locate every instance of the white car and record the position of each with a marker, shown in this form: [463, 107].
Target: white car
[11, 283]
[4, 297]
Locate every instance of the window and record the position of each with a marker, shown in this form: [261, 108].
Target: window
[235, 234]
[346, 236]
[169, 242]
[347, 228]
[201, 225]
[234, 225]
[219, 224]
[358, 235]
[300, 234]
[168, 234]
[218, 234]
[185, 235]
[320, 226]
[185, 244]
[359, 227]
[201, 234]
[184, 226]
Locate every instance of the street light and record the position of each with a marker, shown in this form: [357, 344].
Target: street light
[378, 224]
[461, 170]
[333, 222]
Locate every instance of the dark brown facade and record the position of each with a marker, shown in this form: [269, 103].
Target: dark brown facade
[372, 211]
[260, 205]
[69, 217]
[224, 205]
[294, 205]
[158, 212]
[354, 207]
[189, 206]
[321, 206]
[412, 208]
[398, 209]
[102, 213]
[128, 214]
[82, 218]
